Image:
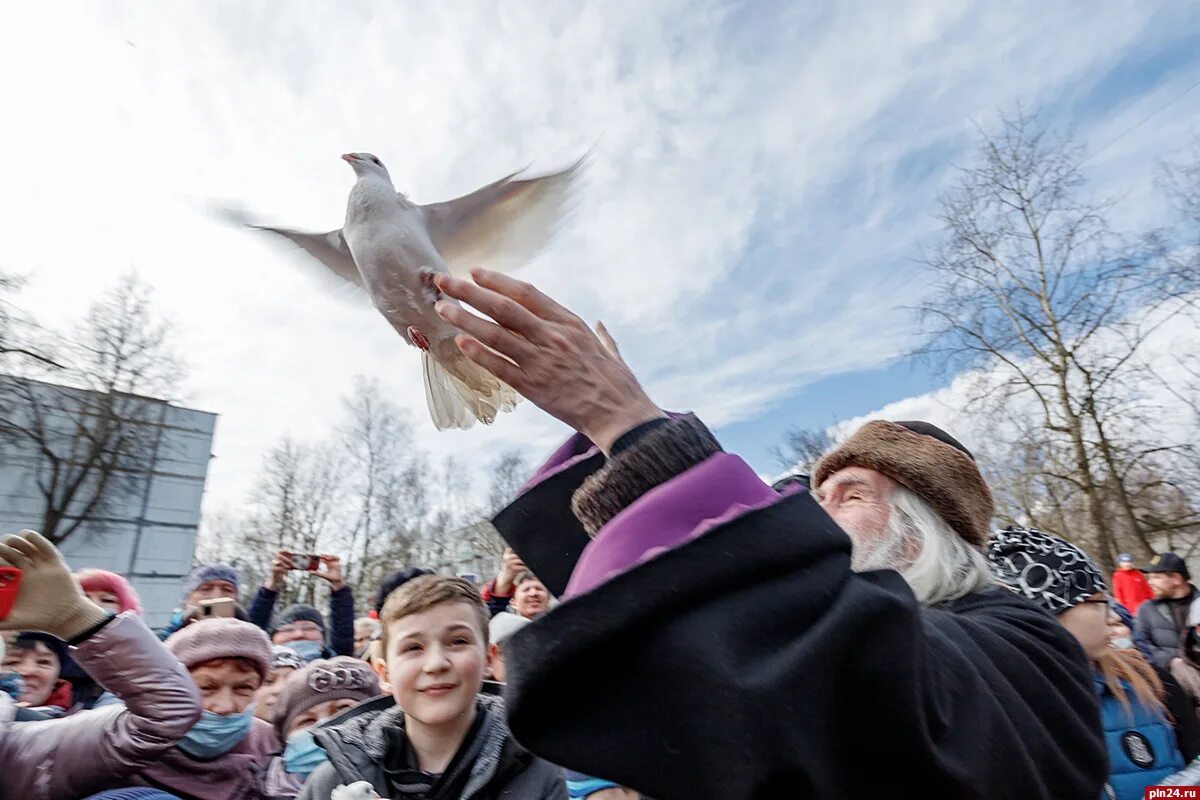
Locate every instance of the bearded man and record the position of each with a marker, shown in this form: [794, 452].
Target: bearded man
[717, 639]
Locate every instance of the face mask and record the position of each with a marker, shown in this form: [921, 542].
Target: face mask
[307, 649]
[216, 734]
[11, 684]
[1122, 643]
[302, 754]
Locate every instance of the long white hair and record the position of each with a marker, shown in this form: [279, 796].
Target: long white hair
[936, 561]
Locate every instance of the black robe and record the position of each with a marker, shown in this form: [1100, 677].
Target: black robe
[751, 662]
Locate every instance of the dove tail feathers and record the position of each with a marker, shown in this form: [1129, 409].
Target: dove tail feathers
[465, 393]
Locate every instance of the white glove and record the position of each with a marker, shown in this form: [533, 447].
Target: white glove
[49, 598]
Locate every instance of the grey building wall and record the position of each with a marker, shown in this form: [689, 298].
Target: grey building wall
[147, 532]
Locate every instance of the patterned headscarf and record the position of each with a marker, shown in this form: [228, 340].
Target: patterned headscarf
[1048, 570]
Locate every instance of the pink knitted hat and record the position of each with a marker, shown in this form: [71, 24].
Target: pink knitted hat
[210, 639]
[101, 580]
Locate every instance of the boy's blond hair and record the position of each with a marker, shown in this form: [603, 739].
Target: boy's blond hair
[423, 593]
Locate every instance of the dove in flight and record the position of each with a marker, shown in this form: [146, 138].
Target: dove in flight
[394, 248]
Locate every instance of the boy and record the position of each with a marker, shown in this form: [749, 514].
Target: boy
[448, 742]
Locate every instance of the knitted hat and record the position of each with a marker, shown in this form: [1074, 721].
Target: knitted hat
[1048, 570]
[298, 613]
[394, 581]
[284, 656]
[209, 572]
[504, 625]
[209, 639]
[319, 682]
[926, 460]
[101, 580]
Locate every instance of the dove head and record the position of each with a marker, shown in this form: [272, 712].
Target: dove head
[365, 164]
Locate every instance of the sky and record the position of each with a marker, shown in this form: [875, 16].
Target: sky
[749, 226]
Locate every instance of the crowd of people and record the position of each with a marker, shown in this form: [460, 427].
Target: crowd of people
[664, 625]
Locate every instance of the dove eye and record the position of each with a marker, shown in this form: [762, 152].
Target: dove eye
[376, 160]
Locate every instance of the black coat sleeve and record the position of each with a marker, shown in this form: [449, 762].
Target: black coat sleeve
[751, 662]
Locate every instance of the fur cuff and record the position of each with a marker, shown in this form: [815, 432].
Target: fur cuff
[658, 456]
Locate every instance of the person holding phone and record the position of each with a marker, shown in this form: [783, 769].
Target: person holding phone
[75, 756]
[205, 582]
[302, 627]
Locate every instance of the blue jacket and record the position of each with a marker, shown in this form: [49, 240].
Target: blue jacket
[1141, 745]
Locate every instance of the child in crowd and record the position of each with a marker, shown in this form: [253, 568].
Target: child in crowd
[284, 661]
[436, 736]
[309, 697]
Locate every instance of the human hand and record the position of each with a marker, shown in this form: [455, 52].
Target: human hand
[49, 599]
[547, 354]
[280, 566]
[511, 565]
[331, 570]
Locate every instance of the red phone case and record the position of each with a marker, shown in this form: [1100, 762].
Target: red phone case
[10, 586]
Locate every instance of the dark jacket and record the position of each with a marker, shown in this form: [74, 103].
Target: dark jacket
[357, 743]
[1157, 631]
[714, 643]
[341, 618]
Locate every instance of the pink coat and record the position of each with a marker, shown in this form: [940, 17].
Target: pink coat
[78, 755]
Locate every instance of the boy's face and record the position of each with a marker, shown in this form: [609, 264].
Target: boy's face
[435, 662]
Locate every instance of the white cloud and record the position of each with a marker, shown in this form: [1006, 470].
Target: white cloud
[743, 227]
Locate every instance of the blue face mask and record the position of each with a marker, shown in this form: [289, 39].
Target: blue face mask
[302, 754]
[307, 649]
[216, 734]
[11, 684]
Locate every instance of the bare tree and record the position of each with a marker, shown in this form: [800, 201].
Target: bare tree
[92, 437]
[1031, 284]
[802, 448]
[385, 479]
[295, 507]
[16, 345]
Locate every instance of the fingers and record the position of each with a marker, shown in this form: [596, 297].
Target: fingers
[494, 363]
[504, 310]
[44, 548]
[610, 344]
[526, 294]
[25, 548]
[491, 334]
[13, 557]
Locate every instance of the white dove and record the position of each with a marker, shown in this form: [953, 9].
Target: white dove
[393, 248]
[359, 790]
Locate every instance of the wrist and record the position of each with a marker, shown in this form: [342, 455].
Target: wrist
[272, 583]
[606, 432]
[79, 619]
[337, 586]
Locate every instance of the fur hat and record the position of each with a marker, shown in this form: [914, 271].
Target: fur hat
[210, 639]
[319, 682]
[101, 580]
[209, 572]
[926, 460]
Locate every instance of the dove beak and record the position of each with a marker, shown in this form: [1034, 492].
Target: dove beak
[349, 157]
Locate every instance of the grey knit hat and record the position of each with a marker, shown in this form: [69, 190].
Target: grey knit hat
[209, 572]
[298, 613]
[210, 639]
[319, 682]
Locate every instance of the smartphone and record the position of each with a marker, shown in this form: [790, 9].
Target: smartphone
[306, 562]
[214, 609]
[10, 586]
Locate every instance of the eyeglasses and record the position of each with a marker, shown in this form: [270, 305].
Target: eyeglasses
[1102, 601]
[301, 628]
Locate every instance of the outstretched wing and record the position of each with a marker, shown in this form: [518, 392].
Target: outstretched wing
[328, 248]
[504, 224]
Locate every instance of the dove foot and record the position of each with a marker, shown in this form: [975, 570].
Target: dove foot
[432, 292]
[416, 337]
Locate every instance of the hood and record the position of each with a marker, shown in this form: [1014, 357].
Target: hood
[356, 741]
